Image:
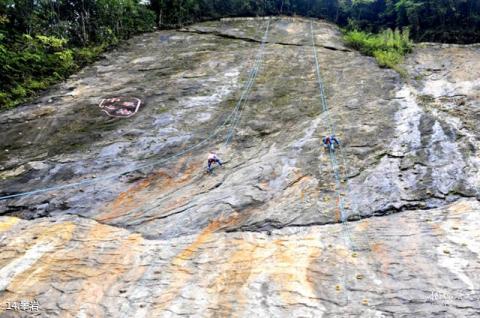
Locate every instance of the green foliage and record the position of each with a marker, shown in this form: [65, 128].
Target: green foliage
[388, 47]
[33, 63]
[87, 55]
[19, 91]
[38, 62]
[36, 85]
[388, 40]
[43, 42]
[429, 20]
[51, 41]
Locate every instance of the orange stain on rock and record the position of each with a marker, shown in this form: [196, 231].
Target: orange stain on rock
[282, 264]
[49, 238]
[179, 266]
[7, 222]
[233, 277]
[106, 269]
[153, 187]
[338, 215]
[125, 201]
[292, 274]
[437, 228]
[461, 207]
[382, 255]
[362, 225]
[82, 259]
[203, 237]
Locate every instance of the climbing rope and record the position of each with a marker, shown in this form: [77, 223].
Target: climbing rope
[332, 129]
[236, 113]
[233, 114]
[246, 93]
[333, 161]
[335, 166]
[332, 155]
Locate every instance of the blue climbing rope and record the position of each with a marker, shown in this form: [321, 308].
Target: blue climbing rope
[246, 93]
[332, 129]
[333, 161]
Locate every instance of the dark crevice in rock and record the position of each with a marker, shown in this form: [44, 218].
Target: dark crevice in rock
[352, 176]
[297, 180]
[219, 34]
[463, 195]
[153, 69]
[264, 226]
[160, 217]
[25, 212]
[269, 225]
[10, 209]
[246, 39]
[392, 156]
[450, 96]
[394, 210]
[258, 188]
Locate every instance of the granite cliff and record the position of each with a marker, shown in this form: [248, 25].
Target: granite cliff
[388, 227]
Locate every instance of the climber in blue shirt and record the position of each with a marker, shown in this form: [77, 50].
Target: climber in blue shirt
[330, 141]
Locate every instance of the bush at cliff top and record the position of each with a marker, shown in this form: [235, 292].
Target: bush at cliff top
[388, 47]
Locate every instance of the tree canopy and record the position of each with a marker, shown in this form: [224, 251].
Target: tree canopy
[44, 41]
[429, 20]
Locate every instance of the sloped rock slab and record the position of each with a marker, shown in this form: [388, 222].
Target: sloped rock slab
[76, 267]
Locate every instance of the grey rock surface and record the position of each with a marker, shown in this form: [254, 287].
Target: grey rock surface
[154, 235]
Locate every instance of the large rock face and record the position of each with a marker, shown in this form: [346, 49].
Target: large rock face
[387, 227]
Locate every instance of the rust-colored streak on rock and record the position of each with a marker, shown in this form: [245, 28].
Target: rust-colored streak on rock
[286, 271]
[186, 254]
[381, 253]
[105, 271]
[47, 243]
[436, 229]
[264, 185]
[173, 184]
[294, 259]
[153, 187]
[461, 207]
[363, 225]
[179, 267]
[125, 201]
[232, 279]
[338, 214]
